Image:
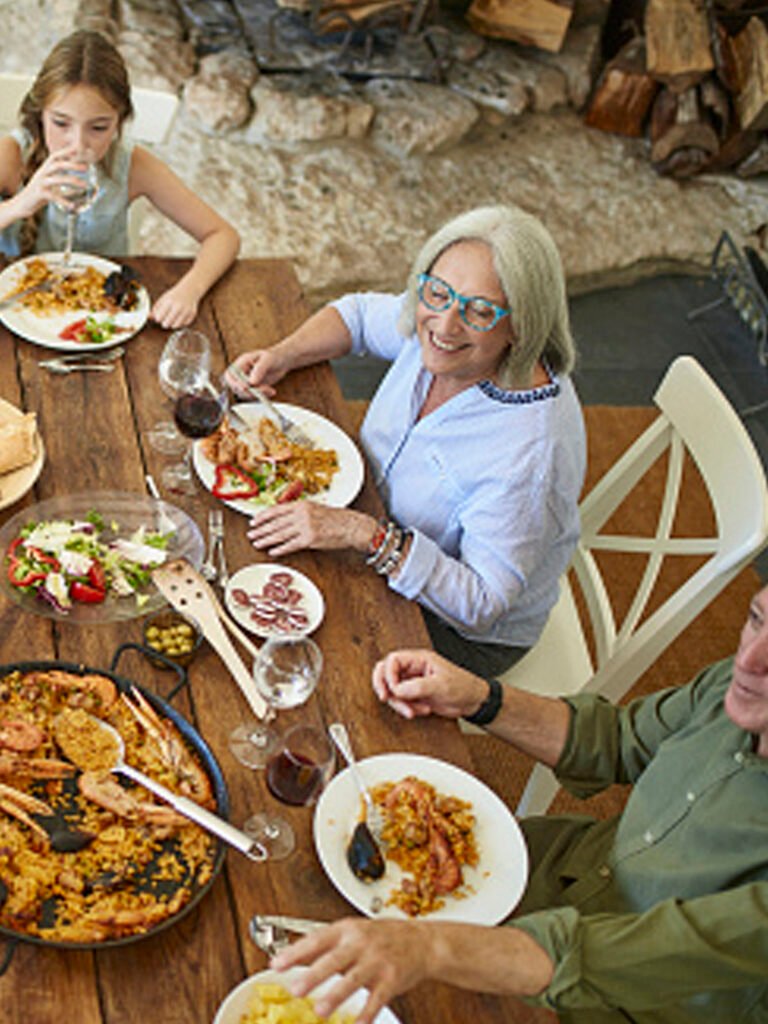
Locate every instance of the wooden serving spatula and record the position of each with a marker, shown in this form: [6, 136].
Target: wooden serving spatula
[186, 591]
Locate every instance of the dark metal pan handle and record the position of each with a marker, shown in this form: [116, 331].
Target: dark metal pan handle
[10, 948]
[152, 653]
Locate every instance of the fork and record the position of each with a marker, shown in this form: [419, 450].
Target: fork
[289, 427]
[11, 300]
[92, 357]
[163, 522]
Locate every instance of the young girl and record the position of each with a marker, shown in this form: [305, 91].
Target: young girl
[78, 103]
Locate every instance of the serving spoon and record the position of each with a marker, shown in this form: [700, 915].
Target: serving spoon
[187, 808]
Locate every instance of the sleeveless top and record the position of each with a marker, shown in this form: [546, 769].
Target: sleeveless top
[101, 230]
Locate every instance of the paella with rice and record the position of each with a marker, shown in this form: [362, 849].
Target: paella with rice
[133, 862]
[431, 837]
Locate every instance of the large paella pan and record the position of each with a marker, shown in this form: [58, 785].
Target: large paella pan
[88, 860]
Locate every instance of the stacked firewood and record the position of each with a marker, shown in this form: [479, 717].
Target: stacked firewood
[696, 83]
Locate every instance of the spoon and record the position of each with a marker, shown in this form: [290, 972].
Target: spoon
[363, 853]
[188, 808]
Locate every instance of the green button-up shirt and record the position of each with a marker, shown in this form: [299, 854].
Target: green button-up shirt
[666, 919]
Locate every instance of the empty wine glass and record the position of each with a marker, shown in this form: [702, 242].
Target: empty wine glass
[76, 195]
[286, 673]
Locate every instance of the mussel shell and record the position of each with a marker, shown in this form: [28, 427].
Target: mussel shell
[363, 855]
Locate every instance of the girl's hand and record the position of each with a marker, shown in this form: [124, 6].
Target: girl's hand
[177, 307]
[43, 187]
[283, 529]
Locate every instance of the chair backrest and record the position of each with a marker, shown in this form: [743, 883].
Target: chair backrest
[695, 417]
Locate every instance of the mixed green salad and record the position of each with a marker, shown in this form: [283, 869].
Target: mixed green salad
[66, 562]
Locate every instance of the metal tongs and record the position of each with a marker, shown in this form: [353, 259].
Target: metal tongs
[270, 931]
[289, 427]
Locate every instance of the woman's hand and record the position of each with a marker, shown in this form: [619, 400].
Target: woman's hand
[263, 368]
[296, 525]
[386, 957]
[420, 682]
[177, 307]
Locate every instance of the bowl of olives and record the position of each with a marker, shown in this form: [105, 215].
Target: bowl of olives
[172, 635]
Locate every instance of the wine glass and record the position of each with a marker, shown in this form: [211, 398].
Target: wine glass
[286, 673]
[76, 195]
[199, 404]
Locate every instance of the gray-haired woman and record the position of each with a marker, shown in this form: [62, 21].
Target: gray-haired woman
[475, 435]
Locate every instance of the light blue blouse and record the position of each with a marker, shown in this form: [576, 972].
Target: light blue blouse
[489, 484]
[102, 229]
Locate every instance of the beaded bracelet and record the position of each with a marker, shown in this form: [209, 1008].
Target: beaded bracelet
[388, 550]
[375, 551]
[378, 538]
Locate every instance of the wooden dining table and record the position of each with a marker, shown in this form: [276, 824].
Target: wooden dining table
[94, 427]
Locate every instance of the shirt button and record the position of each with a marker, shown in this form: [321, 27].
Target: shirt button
[604, 871]
[690, 797]
[738, 757]
[648, 837]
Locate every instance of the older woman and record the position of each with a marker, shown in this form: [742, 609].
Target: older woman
[475, 436]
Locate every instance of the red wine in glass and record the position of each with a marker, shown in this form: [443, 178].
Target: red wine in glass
[293, 777]
[198, 415]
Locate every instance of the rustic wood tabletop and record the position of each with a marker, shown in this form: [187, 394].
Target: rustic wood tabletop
[94, 428]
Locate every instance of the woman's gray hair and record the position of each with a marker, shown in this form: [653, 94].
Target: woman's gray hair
[531, 275]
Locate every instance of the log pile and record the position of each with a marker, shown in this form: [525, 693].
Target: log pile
[696, 82]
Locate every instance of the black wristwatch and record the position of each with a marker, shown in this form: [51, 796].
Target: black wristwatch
[490, 707]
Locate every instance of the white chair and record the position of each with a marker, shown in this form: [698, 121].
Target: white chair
[695, 417]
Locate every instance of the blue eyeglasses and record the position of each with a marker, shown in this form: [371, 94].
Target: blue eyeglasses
[479, 314]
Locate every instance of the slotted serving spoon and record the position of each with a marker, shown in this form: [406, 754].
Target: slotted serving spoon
[187, 808]
[187, 592]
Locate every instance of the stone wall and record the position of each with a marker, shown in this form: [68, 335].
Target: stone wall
[347, 177]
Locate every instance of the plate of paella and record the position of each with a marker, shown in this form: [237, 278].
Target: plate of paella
[96, 305]
[453, 850]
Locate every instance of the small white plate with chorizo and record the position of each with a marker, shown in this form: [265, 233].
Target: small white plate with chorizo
[271, 600]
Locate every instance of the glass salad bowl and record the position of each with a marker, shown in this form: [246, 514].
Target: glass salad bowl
[87, 558]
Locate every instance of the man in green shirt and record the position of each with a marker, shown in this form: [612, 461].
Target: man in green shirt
[659, 915]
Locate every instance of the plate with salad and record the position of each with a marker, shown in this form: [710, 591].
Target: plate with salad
[89, 557]
[102, 304]
[247, 491]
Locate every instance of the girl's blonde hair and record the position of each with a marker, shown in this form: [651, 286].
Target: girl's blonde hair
[82, 58]
[530, 273]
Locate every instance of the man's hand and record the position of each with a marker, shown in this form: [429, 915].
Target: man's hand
[421, 682]
[387, 957]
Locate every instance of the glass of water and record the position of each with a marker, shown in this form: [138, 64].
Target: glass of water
[75, 195]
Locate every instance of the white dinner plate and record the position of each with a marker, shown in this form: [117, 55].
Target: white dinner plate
[236, 1003]
[45, 330]
[346, 483]
[252, 579]
[17, 482]
[493, 887]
